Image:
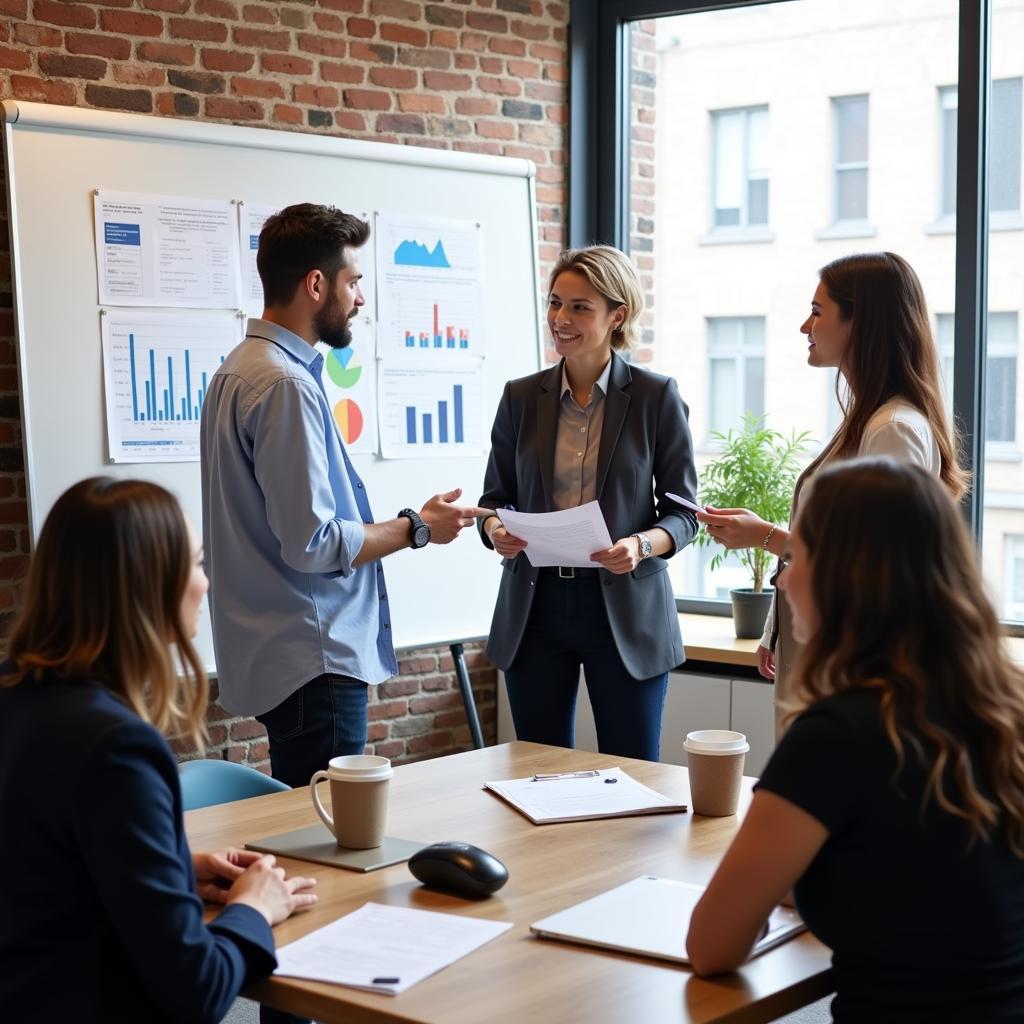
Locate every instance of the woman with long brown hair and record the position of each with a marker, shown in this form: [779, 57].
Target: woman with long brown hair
[869, 320]
[101, 916]
[895, 802]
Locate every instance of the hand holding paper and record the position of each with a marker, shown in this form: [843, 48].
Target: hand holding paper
[568, 537]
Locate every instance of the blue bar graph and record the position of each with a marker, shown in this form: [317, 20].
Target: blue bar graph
[442, 422]
[428, 434]
[457, 395]
[448, 428]
[410, 424]
[171, 405]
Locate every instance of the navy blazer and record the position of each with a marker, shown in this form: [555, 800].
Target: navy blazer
[645, 451]
[99, 920]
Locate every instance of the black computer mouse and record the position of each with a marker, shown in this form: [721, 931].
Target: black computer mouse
[460, 869]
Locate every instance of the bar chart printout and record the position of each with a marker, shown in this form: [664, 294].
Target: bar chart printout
[157, 369]
[429, 410]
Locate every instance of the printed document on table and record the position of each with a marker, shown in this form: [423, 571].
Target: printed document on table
[156, 250]
[385, 949]
[582, 796]
[568, 537]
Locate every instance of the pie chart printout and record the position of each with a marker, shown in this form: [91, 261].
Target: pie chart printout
[344, 367]
[349, 418]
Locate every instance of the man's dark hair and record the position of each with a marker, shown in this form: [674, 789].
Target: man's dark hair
[302, 238]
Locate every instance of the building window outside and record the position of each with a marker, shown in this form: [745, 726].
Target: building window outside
[740, 168]
[1006, 122]
[1013, 574]
[1000, 376]
[735, 370]
[850, 189]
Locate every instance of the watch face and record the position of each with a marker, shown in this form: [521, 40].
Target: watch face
[421, 536]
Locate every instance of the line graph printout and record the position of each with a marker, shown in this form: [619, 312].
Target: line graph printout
[430, 408]
[156, 371]
[350, 382]
[430, 287]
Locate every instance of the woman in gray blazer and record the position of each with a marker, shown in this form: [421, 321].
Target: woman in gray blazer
[593, 427]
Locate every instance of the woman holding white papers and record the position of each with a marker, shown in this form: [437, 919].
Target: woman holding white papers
[591, 428]
[869, 320]
[894, 804]
[101, 914]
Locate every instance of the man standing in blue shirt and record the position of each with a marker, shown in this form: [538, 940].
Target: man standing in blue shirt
[300, 614]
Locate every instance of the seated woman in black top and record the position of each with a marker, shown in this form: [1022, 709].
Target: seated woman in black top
[895, 803]
[100, 912]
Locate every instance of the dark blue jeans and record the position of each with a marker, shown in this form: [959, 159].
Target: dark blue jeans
[568, 627]
[323, 719]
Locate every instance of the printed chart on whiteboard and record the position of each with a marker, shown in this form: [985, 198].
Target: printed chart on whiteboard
[350, 378]
[430, 408]
[156, 369]
[430, 286]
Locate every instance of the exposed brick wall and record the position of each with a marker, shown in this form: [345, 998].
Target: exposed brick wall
[483, 76]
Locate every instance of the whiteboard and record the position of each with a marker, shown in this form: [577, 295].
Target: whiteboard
[56, 157]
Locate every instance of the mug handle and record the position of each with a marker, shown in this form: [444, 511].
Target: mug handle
[319, 807]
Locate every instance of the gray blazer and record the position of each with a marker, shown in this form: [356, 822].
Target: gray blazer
[645, 451]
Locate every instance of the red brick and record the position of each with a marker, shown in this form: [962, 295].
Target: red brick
[496, 129]
[14, 8]
[556, 72]
[17, 60]
[512, 47]
[403, 34]
[197, 81]
[138, 100]
[394, 78]
[346, 74]
[262, 87]
[132, 74]
[419, 58]
[474, 41]
[293, 18]
[544, 52]
[523, 68]
[367, 99]
[227, 60]
[530, 30]
[545, 91]
[350, 120]
[217, 9]
[247, 729]
[377, 53]
[57, 65]
[444, 14]
[487, 22]
[285, 64]
[349, 6]
[392, 749]
[37, 35]
[132, 23]
[405, 10]
[492, 65]
[474, 105]
[501, 86]
[465, 61]
[235, 110]
[397, 688]
[110, 46]
[310, 43]
[418, 103]
[362, 27]
[434, 741]
[178, 54]
[316, 95]
[255, 14]
[262, 38]
[287, 114]
[444, 37]
[204, 31]
[170, 6]
[329, 22]
[446, 81]
[487, 148]
[387, 710]
[376, 731]
[69, 15]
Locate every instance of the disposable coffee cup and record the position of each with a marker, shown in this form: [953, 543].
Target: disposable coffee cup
[359, 799]
[715, 758]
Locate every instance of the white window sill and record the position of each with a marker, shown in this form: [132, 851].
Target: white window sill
[1002, 220]
[847, 229]
[737, 236]
[1002, 451]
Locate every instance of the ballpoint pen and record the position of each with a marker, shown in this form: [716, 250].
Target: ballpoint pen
[566, 775]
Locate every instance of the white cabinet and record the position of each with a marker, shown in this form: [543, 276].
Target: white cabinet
[692, 702]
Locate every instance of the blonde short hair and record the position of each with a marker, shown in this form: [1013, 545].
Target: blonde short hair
[610, 272]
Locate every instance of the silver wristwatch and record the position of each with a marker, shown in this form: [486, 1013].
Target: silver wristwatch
[645, 545]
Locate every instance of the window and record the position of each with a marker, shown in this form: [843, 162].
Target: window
[850, 196]
[1004, 145]
[1000, 374]
[740, 175]
[1013, 573]
[735, 370]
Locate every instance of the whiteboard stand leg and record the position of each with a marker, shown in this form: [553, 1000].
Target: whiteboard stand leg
[459, 657]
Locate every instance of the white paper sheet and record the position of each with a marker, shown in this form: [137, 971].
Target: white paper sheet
[582, 796]
[251, 218]
[568, 537]
[385, 949]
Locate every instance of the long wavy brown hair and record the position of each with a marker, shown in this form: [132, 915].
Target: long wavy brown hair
[902, 610]
[891, 354]
[103, 603]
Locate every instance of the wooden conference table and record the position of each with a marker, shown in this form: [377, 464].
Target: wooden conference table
[519, 978]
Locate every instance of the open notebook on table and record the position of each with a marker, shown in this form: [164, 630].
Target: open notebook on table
[582, 796]
[649, 917]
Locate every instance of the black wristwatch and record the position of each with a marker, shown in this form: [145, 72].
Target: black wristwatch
[420, 530]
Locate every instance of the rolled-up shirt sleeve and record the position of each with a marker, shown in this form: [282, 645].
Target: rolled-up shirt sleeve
[291, 466]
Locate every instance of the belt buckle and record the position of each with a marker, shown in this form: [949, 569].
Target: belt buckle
[567, 572]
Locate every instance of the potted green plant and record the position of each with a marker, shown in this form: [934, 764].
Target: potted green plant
[757, 469]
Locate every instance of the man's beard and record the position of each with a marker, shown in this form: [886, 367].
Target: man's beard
[333, 329]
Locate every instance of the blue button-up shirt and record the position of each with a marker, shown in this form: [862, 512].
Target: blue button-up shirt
[283, 517]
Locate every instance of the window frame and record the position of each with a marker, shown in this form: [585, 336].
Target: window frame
[839, 103]
[600, 66]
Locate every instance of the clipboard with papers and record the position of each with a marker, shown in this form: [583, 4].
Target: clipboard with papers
[649, 917]
[582, 796]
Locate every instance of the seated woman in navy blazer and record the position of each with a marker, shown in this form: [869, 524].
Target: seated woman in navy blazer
[895, 801]
[101, 913]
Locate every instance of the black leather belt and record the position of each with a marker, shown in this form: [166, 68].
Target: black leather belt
[567, 572]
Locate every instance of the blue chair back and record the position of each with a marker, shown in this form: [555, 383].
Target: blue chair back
[207, 782]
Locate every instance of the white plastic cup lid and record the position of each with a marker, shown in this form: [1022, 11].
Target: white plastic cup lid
[716, 741]
[360, 768]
